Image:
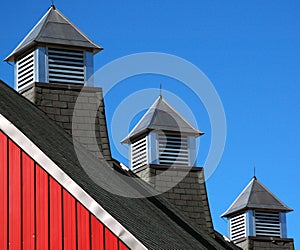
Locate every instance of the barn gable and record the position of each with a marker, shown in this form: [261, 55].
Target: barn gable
[50, 216]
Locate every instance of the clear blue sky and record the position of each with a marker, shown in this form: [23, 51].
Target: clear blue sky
[250, 50]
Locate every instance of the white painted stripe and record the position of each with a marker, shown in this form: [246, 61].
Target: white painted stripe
[61, 177]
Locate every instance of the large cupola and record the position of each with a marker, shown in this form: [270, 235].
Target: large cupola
[162, 137]
[257, 219]
[54, 51]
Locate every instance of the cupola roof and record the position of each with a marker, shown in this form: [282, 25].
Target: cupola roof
[54, 29]
[256, 196]
[161, 116]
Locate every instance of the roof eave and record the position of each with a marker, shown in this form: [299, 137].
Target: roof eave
[228, 213]
[16, 53]
[128, 139]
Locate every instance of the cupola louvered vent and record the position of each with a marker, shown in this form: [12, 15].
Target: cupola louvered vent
[267, 224]
[238, 227]
[25, 71]
[173, 149]
[139, 153]
[66, 66]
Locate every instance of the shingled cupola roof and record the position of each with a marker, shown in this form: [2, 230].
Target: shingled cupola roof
[161, 116]
[54, 29]
[256, 196]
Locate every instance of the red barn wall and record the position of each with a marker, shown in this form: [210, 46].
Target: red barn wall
[36, 212]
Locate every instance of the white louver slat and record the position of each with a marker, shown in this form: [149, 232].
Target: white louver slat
[238, 227]
[267, 224]
[66, 66]
[25, 71]
[139, 153]
[173, 149]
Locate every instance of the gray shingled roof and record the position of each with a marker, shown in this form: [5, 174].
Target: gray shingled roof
[154, 221]
[256, 196]
[55, 29]
[161, 116]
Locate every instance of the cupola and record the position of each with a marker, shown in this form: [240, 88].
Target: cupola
[258, 214]
[162, 137]
[54, 51]
[54, 65]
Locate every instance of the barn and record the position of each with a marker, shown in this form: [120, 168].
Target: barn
[53, 199]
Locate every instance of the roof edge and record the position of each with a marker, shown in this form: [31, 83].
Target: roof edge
[11, 56]
[33, 42]
[245, 207]
[97, 47]
[63, 179]
[227, 212]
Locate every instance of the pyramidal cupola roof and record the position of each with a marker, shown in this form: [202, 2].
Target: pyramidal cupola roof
[161, 116]
[54, 29]
[256, 196]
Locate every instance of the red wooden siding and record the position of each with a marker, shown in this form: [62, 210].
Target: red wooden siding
[28, 208]
[83, 228]
[36, 212]
[111, 242]
[56, 236]
[4, 192]
[97, 229]
[69, 214]
[122, 246]
[14, 196]
[41, 209]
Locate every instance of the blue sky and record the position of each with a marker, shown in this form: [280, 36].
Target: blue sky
[250, 50]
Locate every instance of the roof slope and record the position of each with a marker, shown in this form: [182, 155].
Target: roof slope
[54, 28]
[155, 222]
[256, 196]
[161, 116]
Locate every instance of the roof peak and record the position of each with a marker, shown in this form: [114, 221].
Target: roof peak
[54, 29]
[162, 116]
[256, 196]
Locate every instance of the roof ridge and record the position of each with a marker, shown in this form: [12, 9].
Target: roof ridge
[251, 190]
[75, 27]
[127, 138]
[162, 116]
[56, 29]
[156, 103]
[176, 112]
[262, 198]
[273, 195]
[46, 17]
[236, 199]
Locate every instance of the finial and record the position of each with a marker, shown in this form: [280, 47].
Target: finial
[254, 172]
[52, 5]
[160, 90]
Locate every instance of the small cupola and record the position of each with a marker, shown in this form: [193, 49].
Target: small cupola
[162, 137]
[54, 51]
[257, 213]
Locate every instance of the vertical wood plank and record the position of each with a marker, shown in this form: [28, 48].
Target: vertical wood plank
[14, 196]
[83, 227]
[56, 235]
[42, 227]
[122, 246]
[69, 215]
[111, 241]
[97, 234]
[28, 208]
[4, 192]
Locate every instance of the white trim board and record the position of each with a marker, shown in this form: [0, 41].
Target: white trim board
[62, 178]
